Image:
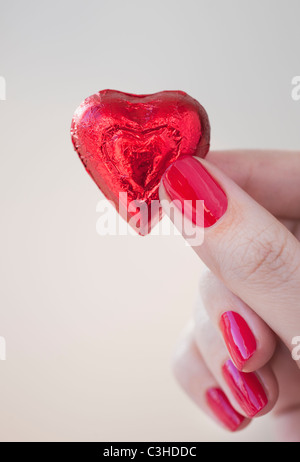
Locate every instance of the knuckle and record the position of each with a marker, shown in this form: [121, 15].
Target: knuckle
[206, 281]
[183, 349]
[183, 362]
[178, 360]
[264, 255]
[201, 319]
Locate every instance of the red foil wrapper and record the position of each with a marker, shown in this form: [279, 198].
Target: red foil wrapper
[126, 142]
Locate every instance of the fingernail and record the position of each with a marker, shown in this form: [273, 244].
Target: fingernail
[187, 180]
[222, 409]
[239, 339]
[246, 389]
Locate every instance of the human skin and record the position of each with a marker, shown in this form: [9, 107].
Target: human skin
[248, 309]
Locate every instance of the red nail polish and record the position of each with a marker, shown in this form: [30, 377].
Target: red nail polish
[238, 337]
[246, 388]
[187, 180]
[222, 409]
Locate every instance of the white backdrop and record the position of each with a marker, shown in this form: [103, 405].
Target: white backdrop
[90, 322]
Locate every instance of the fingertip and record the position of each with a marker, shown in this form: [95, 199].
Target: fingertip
[249, 341]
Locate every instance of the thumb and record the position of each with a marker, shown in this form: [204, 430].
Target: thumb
[255, 256]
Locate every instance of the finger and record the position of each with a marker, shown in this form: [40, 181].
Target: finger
[251, 394]
[200, 385]
[270, 177]
[248, 339]
[254, 255]
[287, 409]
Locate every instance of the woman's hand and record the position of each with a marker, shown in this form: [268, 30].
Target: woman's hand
[235, 359]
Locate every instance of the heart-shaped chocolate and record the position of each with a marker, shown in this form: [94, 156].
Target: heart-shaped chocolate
[126, 142]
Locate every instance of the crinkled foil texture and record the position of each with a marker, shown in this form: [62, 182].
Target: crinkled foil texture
[126, 142]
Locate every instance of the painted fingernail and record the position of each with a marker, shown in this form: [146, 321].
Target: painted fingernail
[246, 389]
[239, 339]
[222, 409]
[187, 180]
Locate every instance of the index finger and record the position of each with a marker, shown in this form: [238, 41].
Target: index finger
[244, 245]
[272, 178]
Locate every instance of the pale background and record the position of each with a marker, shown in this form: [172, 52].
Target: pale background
[90, 322]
